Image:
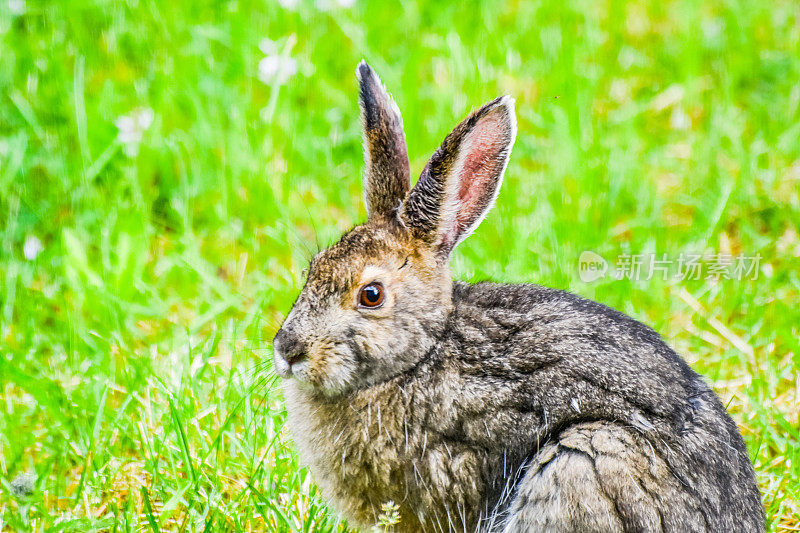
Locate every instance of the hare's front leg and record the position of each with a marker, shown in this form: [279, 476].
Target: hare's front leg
[602, 477]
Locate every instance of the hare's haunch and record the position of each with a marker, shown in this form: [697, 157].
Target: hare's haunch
[489, 407]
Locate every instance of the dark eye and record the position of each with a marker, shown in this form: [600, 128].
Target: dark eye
[371, 295]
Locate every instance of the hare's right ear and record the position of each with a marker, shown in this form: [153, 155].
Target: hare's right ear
[461, 181]
[386, 176]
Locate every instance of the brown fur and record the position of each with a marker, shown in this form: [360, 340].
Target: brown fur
[386, 177]
[493, 407]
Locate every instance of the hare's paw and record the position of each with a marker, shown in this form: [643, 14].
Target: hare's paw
[601, 477]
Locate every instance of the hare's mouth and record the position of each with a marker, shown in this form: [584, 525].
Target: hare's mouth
[288, 354]
[290, 367]
[330, 370]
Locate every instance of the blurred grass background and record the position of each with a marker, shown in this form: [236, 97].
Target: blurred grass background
[168, 168]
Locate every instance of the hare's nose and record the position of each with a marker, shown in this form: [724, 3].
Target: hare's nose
[288, 350]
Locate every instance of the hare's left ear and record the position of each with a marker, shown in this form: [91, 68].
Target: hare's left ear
[461, 181]
[386, 176]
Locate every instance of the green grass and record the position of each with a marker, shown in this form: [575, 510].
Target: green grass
[134, 349]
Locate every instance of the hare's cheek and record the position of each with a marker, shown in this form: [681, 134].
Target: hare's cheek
[331, 369]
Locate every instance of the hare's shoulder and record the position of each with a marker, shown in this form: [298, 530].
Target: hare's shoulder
[573, 357]
[539, 303]
[532, 315]
[540, 317]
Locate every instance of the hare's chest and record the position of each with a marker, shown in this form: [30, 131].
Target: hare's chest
[367, 452]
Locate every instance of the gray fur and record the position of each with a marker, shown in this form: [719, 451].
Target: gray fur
[494, 407]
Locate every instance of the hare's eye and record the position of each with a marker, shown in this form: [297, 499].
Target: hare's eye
[371, 295]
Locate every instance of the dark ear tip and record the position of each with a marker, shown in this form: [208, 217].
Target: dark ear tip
[501, 107]
[364, 71]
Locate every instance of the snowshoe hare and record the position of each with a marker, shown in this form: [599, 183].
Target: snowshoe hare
[489, 407]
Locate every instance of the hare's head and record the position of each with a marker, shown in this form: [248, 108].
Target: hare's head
[375, 302]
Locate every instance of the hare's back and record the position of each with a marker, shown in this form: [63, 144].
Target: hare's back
[567, 363]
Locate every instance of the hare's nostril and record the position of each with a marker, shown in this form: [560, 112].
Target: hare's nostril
[295, 358]
[289, 347]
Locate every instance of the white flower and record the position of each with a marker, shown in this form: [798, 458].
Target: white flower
[268, 47]
[278, 66]
[32, 247]
[679, 120]
[276, 69]
[132, 128]
[17, 7]
[288, 4]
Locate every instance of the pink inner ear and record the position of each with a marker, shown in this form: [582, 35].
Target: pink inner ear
[481, 170]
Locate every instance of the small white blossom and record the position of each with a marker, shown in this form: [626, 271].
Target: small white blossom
[17, 7]
[131, 129]
[268, 47]
[32, 247]
[679, 120]
[276, 69]
[288, 4]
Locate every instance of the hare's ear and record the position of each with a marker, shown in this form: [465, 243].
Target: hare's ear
[460, 182]
[386, 176]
